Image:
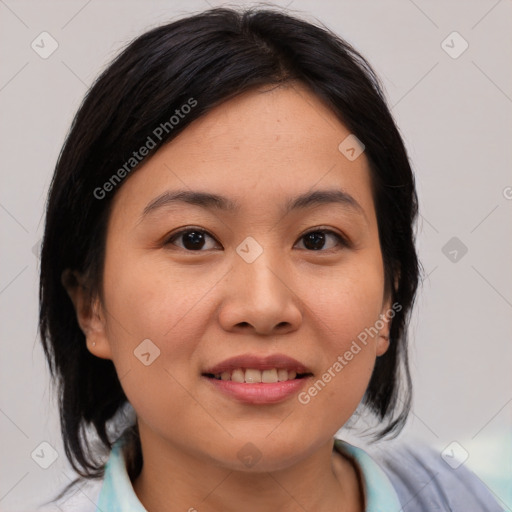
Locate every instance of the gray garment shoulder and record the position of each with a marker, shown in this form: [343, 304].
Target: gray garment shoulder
[425, 483]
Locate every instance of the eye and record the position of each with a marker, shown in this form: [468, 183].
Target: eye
[315, 240]
[193, 239]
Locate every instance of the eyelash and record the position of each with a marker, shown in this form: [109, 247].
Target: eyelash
[343, 242]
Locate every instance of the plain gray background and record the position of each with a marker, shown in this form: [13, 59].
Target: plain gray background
[454, 112]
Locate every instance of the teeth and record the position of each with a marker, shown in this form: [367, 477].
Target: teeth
[269, 375]
[252, 375]
[238, 376]
[282, 375]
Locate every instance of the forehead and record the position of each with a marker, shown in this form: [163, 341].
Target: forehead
[257, 148]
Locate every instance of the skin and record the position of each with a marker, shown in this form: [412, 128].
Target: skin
[202, 307]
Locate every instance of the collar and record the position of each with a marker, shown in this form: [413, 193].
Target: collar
[379, 493]
[117, 494]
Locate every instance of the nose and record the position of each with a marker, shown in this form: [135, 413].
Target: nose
[259, 298]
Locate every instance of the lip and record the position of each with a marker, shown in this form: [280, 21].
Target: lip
[259, 393]
[279, 361]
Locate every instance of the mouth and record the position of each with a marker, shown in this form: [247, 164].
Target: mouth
[253, 379]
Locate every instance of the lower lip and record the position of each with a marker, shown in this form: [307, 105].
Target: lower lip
[259, 392]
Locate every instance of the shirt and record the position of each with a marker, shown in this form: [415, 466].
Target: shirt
[405, 479]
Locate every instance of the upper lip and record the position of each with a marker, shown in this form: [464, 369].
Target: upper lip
[279, 361]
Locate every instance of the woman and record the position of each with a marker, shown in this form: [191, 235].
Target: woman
[229, 255]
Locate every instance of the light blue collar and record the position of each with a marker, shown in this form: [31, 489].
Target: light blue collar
[117, 494]
[379, 492]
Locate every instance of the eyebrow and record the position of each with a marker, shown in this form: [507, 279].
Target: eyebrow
[220, 203]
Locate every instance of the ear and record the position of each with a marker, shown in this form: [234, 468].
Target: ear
[382, 342]
[89, 313]
[386, 316]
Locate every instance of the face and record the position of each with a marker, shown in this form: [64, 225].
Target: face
[281, 271]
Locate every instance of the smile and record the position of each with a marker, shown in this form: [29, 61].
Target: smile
[254, 379]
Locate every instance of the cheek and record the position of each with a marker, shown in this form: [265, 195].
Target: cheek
[151, 300]
[345, 307]
[348, 301]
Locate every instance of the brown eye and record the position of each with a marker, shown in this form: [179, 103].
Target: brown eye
[192, 239]
[316, 240]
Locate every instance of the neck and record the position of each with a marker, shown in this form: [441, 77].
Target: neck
[174, 480]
